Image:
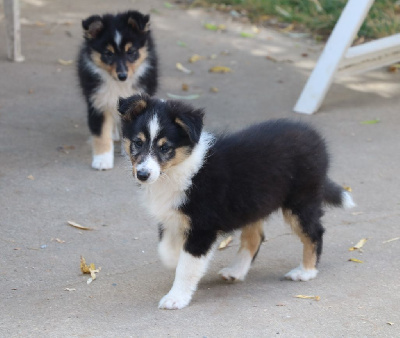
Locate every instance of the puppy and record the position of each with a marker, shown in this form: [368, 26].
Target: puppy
[198, 186]
[117, 58]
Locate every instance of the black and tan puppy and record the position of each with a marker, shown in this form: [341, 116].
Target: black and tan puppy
[117, 58]
[198, 186]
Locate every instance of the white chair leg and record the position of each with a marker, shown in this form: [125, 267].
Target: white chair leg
[13, 25]
[340, 40]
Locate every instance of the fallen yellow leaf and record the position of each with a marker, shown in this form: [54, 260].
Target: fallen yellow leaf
[391, 240]
[220, 69]
[288, 28]
[355, 260]
[30, 177]
[196, 57]
[347, 188]
[225, 243]
[180, 67]
[308, 297]
[76, 225]
[89, 269]
[65, 62]
[359, 245]
[86, 268]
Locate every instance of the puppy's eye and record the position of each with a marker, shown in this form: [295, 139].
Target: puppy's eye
[131, 51]
[138, 143]
[108, 53]
[165, 148]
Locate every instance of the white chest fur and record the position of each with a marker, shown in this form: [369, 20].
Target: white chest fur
[105, 98]
[163, 197]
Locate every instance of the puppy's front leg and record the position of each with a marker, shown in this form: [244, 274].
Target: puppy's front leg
[189, 271]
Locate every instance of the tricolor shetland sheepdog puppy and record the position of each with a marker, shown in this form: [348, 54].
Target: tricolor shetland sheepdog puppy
[117, 58]
[198, 186]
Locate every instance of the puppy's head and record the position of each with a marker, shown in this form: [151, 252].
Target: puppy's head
[158, 135]
[118, 43]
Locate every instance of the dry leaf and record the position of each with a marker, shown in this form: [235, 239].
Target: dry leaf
[183, 97]
[246, 35]
[355, 260]
[214, 90]
[289, 28]
[213, 27]
[58, 240]
[357, 213]
[225, 243]
[347, 188]
[371, 121]
[40, 24]
[308, 297]
[269, 57]
[391, 240]
[196, 57]
[68, 289]
[65, 149]
[86, 268]
[76, 225]
[181, 43]
[220, 69]
[359, 245]
[65, 62]
[89, 269]
[185, 87]
[390, 323]
[180, 67]
[30, 177]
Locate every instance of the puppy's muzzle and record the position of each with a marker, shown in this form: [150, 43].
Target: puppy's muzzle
[122, 71]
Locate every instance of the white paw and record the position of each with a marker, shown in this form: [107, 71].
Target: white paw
[301, 274]
[103, 161]
[231, 274]
[239, 268]
[174, 301]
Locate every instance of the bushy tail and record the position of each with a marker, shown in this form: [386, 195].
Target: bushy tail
[336, 196]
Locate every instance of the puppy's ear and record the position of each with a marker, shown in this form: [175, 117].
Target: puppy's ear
[191, 121]
[132, 106]
[92, 26]
[139, 22]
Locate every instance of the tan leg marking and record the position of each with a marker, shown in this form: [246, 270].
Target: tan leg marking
[309, 248]
[251, 237]
[103, 143]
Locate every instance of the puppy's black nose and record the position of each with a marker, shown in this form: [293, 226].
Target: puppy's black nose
[122, 76]
[143, 175]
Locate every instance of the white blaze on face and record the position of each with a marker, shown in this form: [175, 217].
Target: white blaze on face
[154, 128]
[117, 39]
[150, 164]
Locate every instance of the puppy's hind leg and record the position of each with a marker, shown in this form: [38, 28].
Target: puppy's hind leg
[308, 227]
[251, 239]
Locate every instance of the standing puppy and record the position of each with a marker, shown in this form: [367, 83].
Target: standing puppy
[198, 186]
[117, 58]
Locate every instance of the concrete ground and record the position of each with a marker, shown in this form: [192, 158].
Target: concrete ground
[46, 180]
